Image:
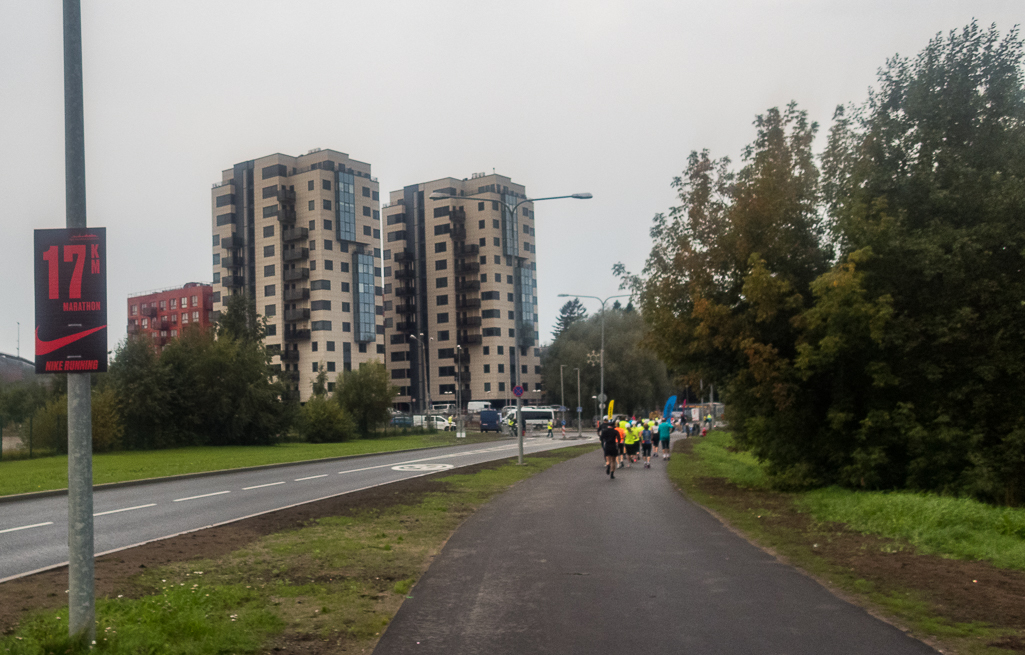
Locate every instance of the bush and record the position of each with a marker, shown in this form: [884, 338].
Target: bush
[323, 421]
[51, 423]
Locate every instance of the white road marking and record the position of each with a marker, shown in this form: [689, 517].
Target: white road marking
[261, 486]
[216, 493]
[426, 459]
[422, 467]
[26, 527]
[312, 477]
[123, 509]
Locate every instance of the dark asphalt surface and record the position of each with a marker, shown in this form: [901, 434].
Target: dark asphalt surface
[571, 562]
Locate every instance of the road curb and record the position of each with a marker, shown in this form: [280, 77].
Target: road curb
[32, 495]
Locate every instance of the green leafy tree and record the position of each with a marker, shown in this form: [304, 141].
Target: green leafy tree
[143, 391]
[50, 423]
[915, 343]
[366, 394]
[324, 421]
[730, 273]
[570, 313]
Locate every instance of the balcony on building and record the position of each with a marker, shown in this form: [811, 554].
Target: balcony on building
[405, 292]
[469, 321]
[133, 328]
[297, 274]
[290, 375]
[295, 234]
[468, 303]
[232, 281]
[231, 242]
[286, 196]
[469, 339]
[161, 324]
[297, 335]
[297, 294]
[467, 285]
[287, 215]
[148, 311]
[405, 326]
[403, 256]
[468, 267]
[525, 335]
[462, 358]
[289, 355]
[465, 376]
[405, 274]
[408, 308]
[458, 216]
[231, 261]
[471, 250]
[297, 314]
[458, 233]
[293, 254]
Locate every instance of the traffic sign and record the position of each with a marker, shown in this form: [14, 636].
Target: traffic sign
[563, 408]
[602, 397]
[517, 391]
[579, 409]
[71, 300]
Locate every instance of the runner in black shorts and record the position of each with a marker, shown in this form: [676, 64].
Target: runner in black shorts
[610, 446]
[646, 446]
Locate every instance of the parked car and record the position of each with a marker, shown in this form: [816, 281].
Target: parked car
[490, 421]
[402, 421]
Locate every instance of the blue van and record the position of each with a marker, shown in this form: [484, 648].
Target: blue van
[490, 420]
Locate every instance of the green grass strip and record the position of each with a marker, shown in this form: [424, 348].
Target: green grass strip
[959, 528]
[49, 473]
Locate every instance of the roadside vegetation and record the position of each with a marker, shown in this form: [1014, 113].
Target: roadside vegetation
[334, 583]
[205, 388]
[861, 307]
[950, 569]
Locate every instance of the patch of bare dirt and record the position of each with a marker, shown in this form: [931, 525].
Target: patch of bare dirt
[958, 590]
[115, 572]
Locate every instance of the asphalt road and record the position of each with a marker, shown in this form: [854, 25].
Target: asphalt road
[570, 561]
[33, 532]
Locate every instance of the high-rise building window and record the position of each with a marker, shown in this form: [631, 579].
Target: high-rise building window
[268, 290]
[480, 224]
[443, 335]
[483, 278]
[327, 205]
[487, 386]
[495, 223]
[443, 318]
[487, 368]
[480, 207]
[345, 212]
[501, 386]
[440, 264]
[268, 271]
[320, 326]
[268, 251]
[498, 242]
[329, 265]
[441, 246]
[331, 346]
[326, 184]
[483, 242]
[328, 244]
[442, 300]
[313, 203]
[441, 283]
[268, 231]
[327, 224]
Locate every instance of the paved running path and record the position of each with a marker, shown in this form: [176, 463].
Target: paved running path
[571, 562]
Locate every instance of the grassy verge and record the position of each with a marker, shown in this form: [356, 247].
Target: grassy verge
[333, 584]
[27, 475]
[912, 557]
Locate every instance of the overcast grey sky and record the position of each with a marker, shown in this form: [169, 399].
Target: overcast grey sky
[605, 96]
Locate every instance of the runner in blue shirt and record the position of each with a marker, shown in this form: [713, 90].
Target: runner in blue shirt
[664, 430]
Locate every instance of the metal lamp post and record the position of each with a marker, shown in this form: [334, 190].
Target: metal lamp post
[425, 395]
[562, 395]
[601, 393]
[459, 392]
[517, 311]
[580, 409]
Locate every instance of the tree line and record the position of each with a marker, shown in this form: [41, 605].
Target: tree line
[206, 387]
[864, 308]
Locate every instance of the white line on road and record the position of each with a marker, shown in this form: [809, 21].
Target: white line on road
[425, 459]
[312, 477]
[261, 486]
[124, 509]
[26, 527]
[216, 493]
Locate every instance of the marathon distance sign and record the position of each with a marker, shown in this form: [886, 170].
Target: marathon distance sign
[71, 300]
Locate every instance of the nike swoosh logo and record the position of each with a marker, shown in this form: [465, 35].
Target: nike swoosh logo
[47, 347]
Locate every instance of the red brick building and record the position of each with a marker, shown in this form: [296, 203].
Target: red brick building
[161, 315]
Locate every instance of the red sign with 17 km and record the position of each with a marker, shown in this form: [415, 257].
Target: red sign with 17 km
[71, 300]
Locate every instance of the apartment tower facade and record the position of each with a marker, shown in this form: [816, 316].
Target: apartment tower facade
[456, 272]
[162, 315]
[300, 235]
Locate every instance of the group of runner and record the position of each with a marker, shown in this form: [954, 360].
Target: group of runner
[628, 441]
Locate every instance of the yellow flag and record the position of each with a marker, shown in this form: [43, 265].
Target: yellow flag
[611, 403]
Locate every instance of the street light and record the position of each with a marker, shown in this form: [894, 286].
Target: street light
[580, 408]
[422, 344]
[517, 308]
[601, 394]
[562, 396]
[459, 392]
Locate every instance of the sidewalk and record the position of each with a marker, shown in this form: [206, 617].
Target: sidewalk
[572, 562]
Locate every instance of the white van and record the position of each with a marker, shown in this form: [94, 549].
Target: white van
[443, 409]
[476, 406]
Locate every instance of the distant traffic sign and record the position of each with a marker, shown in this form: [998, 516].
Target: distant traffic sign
[579, 409]
[517, 391]
[563, 408]
[602, 397]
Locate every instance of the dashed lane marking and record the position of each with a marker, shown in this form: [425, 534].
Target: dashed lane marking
[261, 486]
[422, 467]
[312, 477]
[26, 527]
[124, 509]
[216, 493]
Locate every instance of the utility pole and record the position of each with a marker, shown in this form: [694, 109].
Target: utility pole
[562, 395]
[81, 594]
[580, 408]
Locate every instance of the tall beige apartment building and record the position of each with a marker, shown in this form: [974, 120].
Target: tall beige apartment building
[301, 236]
[455, 271]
